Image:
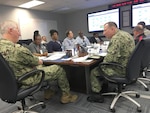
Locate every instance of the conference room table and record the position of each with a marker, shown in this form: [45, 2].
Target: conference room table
[78, 73]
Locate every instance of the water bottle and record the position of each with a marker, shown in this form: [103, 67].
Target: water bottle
[100, 50]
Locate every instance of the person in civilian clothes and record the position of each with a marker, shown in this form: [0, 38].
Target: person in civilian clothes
[96, 39]
[36, 47]
[69, 42]
[54, 45]
[44, 40]
[143, 25]
[82, 40]
[138, 33]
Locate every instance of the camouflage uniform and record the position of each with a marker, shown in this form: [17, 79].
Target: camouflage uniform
[21, 60]
[120, 47]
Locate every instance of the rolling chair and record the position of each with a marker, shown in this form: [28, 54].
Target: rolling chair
[143, 78]
[144, 68]
[10, 90]
[132, 74]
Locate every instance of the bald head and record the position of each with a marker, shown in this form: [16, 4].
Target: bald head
[137, 30]
[80, 34]
[10, 31]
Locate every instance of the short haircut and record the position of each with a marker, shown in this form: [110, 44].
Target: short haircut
[138, 29]
[142, 23]
[95, 33]
[67, 33]
[80, 32]
[111, 24]
[52, 31]
[7, 24]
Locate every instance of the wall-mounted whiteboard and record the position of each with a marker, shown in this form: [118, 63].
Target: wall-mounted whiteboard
[28, 26]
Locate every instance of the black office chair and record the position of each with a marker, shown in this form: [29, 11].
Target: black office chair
[143, 78]
[132, 74]
[10, 87]
[144, 68]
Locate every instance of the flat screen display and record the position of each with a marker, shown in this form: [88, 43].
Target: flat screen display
[97, 20]
[141, 12]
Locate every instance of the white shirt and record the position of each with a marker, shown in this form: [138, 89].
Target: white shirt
[83, 41]
[69, 44]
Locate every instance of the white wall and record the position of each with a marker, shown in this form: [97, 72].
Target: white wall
[29, 24]
[30, 20]
[73, 21]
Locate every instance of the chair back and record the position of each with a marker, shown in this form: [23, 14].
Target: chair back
[134, 63]
[146, 57]
[8, 84]
[27, 41]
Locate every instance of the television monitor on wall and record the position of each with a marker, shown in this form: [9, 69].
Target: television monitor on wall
[140, 12]
[96, 20]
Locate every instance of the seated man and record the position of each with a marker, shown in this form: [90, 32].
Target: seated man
[143, 25]
[54, 44]
[21, 60]
[44, 40]
[36, 47]
[96, 39]
[82, 40]
[119, 50]
[138, 33]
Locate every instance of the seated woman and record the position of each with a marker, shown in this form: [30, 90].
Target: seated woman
[54, 44]
[69, 42]
[36, 47]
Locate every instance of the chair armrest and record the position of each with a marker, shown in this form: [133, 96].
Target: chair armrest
[31, 73]
[112, 64]
[116, 64]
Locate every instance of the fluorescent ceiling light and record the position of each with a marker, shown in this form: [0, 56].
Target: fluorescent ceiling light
[32, 3]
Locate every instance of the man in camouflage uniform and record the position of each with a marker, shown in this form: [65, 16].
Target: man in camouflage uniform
[120, 48]
[21, 60]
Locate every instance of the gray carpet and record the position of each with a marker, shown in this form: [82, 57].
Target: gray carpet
[82, 106]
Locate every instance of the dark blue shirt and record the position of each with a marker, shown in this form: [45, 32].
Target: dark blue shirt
[53, 46]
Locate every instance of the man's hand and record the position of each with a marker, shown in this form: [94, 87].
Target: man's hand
[40, 62]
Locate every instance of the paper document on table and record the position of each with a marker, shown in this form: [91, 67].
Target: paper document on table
[66, 59]
[42, 57]
[55, 56]
[102, 54]
[80, 59]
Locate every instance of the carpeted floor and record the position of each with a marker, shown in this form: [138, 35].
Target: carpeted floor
[82, 106]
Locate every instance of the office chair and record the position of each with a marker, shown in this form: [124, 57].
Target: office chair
[144, 68]
[10, 87]
[132, 74]
[143, 78]
[27, 41]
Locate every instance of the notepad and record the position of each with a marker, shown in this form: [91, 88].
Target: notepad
[55, 56]
[80, 59]
[102, 54]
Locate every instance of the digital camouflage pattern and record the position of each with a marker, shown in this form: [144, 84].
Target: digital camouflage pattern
[119, 50]
[21, 60]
